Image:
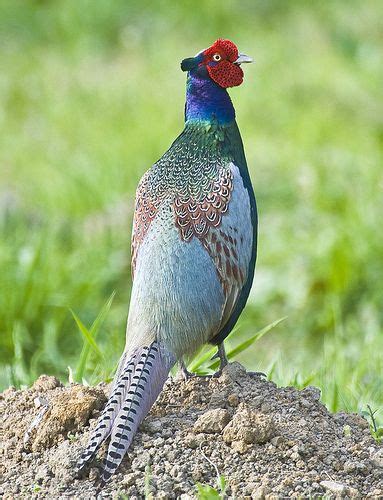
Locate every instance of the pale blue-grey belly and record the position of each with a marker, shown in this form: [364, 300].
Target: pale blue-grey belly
[176, 295]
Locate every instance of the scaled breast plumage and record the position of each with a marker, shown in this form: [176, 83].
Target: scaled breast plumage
[208, 201]
[195, 179]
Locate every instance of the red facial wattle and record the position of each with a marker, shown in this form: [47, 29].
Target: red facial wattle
[224, 72]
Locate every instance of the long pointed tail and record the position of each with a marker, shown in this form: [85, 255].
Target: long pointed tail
[149, 377]
[120, 387]
[138, 382]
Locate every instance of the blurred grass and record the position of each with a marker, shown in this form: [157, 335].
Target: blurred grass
[92, 95]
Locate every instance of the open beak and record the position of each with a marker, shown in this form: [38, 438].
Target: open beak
[243, 58]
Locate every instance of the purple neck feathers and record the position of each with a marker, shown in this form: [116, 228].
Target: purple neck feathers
[206, 101]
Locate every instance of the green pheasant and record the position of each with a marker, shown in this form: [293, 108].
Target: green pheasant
[193, 250]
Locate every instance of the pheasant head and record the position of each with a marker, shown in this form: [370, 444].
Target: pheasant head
[220, 63]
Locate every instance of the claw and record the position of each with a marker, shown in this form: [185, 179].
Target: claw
[221, 354]
[185, 374]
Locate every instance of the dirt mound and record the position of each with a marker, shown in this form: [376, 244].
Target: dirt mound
[265, 441]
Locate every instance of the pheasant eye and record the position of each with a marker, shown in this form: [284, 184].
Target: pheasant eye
[217, 57]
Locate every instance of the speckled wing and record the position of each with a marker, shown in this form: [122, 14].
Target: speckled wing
[222, 222]
[219, 217]
[146, 207]
[230, 245]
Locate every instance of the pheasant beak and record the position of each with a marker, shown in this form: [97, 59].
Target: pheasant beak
[243, 58]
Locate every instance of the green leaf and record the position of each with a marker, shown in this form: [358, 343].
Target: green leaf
[222, 484]
[87, 335]
[206, 492]
[90, 335]
[248, 342]
[20, 370]
[200, 359]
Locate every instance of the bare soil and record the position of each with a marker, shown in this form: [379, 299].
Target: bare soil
[267, 442]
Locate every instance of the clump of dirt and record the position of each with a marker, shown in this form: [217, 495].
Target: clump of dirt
[266, 441]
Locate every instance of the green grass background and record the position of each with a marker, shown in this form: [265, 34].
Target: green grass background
[92, 94]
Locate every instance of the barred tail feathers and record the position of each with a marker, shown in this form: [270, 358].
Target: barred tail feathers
[120, 387]
[151, 371]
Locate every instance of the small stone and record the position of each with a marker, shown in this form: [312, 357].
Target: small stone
[353, 492]
[129, 479]
[232, 372]
[257, 401]
[249, 487]
[212, 421]
[153, 426]
[266, 408]
[139, 463]
[313, 392]
[16, 489]
[197, 475]
[334, 487]
[329, 459]
[233, 400]
[194, 440]
[217, 400]
[259, 493]
[40, 401]
[250, 426]
[349, 466]
[240, 446]
[46, 383]
[8, 392]
[277, 441]
[43, 473]
[356, 420]
[361, 467]
[377, 458]
[305, 403]
[376, 493]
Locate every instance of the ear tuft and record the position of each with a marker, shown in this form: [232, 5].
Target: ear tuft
[188, 64]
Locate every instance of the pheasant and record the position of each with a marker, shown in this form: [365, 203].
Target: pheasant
[193, 250]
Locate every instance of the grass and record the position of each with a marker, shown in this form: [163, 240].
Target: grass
[207, 492]
[86, 109]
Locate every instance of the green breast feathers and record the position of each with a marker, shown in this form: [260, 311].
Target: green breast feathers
[195, 178]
